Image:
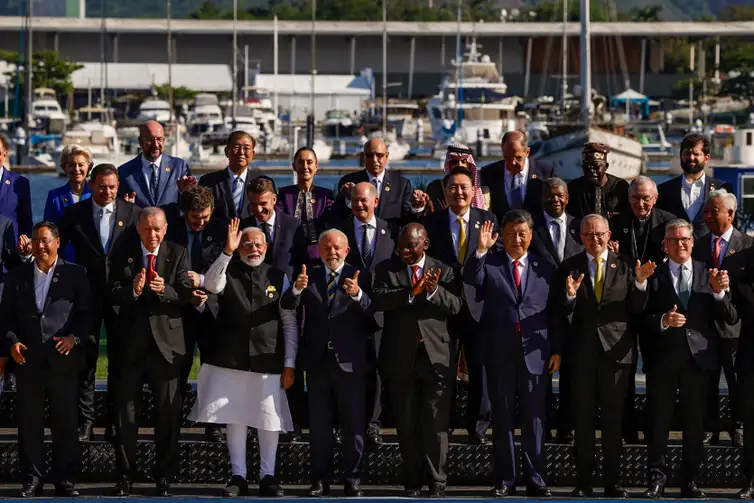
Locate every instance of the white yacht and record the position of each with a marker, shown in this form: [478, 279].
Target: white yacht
[47, 112]
[155, 109]
[338, 123]
[206, 115]
[97, 134]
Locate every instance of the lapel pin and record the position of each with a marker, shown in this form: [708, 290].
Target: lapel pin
[313, 201]
[120, 223]
[209, 238]
[167, 170]
[7, 182]
[533, 177]
[625, 231]
[130, 260]
[387, 188]
[270, 295]
[613, 266]
[732, 252]
[382, 231]
[573, 231]
[534, 264]
[55, 279]
[65, 200]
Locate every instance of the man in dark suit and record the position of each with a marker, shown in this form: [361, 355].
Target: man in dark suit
[338, 322]
[520, 343]
[95, 227]
[515, 181]
[149, 286]
[229, 185]
[452, 240]
[154, 178]
[398, 204]
[685, 302]
[45, 321]
[371, 241]
[204, 238]
[597, 191]
[720, 249]
[416, 294]
[15, 195]
[601, 292]
[9, 255]
[684, 196]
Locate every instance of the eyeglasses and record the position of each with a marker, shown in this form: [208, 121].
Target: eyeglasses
[154, 139]
[646, 199]
[241, 148]
[594, 235]
[679, 241]
[42, 241]
[378, 155]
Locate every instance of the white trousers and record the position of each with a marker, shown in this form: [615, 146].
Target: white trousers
[268, 448]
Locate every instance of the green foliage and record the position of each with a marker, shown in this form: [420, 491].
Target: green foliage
[740, 87]
[179, 93]
[49, 70]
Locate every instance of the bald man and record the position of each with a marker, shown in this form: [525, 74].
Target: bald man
[516, 181]
[154, 178]
[398, 204]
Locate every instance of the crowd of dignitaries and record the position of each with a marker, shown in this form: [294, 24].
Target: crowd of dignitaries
[505, 274]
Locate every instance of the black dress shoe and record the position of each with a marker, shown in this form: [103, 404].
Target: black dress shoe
[502, 491]
[353, 490]
[564, 437]
[336, 437]
[374, 437]
[236, 486]
[583, 492]
[214, 434]
[122, 489]
[478, 440]
[318, 489]
[737, 438]
[692, 491]
[655, 491]
[163, 489]
[85, 432]
[437, 491]
[110, 433]
[538, 492]
[615, 492]
[66, 491]
[747, 493]
[269, 488]
[32, 489]
[412, 493]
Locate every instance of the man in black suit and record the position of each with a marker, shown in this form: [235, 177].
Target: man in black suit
[516, 181]
[149, 287]
[95, 227]
[228, 185]
[686, 301]
[398, 204]
[684, 196]
[597, 191]
[45, 321]
[9, 255]
[371, 241]
[720, 249]
[453, 235]
[417, 359]
[601, 292]
[338, 322]
[204, 238]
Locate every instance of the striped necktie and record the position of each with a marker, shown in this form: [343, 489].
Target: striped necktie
[332, 285]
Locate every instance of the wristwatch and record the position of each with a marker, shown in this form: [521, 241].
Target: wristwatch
[76, 341]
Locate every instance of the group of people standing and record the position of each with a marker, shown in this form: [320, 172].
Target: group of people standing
[307, 302]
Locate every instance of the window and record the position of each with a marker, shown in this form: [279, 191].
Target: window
[747, 194]
[748, 138]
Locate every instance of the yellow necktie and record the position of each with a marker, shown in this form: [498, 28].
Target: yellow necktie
[598, 279]
[461, 241]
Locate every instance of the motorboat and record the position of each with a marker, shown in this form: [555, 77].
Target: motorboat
[47, 113]
[338, 123]
[98, 135]
[155, 109]
[206, 115]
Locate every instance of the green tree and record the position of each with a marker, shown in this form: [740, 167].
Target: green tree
[49, 70]
[207, 10]
[179, 93]
[649, 13]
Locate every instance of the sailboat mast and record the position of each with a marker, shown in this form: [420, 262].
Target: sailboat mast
[459, 64]
[586, 57]
[564, 82]
[29, 71]
[384, 69]
[235, 65]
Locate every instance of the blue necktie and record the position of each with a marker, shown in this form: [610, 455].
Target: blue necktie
[684, 289]
[517, 197]
[154, 181]
[238, 194]
[104, 229]
[332, 285]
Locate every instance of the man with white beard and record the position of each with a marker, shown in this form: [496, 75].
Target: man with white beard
[250, 358]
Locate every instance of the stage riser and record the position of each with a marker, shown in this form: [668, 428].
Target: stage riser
[208, 463]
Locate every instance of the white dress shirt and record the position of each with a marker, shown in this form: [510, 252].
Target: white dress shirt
[724, 243]
[232, 177]
[270, 222]
[691, 196]
[109, 217]
[42, 284]
[380, 180]
[508, 179]
[593, 272]
[563, 233]
[523, 264]
[455, 228]
[147, 170]
[358, 231]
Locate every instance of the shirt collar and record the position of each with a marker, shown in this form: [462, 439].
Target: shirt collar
[674, 266]
[37, 270]
[524, 260]
[271, 221]
[454, 217]
[371, 223]
[726, 235]
[336, 271]
[242, 175]
[524, 172]
[145, 163]
[109, 206]
[603, 256]
[145, 252]
[420, 263]
[700, 182]
[549, 218]
[380, 177]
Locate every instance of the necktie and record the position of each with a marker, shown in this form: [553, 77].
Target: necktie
[104, 229]
[517, 196]
[150, 267]
[716, 259]
[266, 229]
[415, 276]
[517, 281]
[366, 249]
[598, 283]
[376, 184]
[684, 288]
[556, 241]
[598, 200]
[332, 285]
[154, 181]
[238, 194]
[461, 241]
[196, 252]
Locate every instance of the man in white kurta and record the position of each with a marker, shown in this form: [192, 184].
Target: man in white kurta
[250, 357]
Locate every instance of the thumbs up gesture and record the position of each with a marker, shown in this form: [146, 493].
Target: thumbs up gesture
[302, 281]
[351, 285]
[673, 318]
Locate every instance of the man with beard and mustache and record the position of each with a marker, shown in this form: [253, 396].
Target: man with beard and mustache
[597, 192]
[251, 358]
[684, 196]
[154, 178]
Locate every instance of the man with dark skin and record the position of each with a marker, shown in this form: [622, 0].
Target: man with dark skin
[597, 191]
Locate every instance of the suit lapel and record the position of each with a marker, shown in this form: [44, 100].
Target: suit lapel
[382, 247]
[667, 286]
[611, 268]
[138, 175]
[226, 187]
[544, 234]
[55, 285]
[163, 261]
[354, 255]
[734, 244]
[118, 224]
[385, 190]
[165, 176]
[587, 282]
[572, 246]
[472, 235]
[89, 226]
[5, 184]
[705, 249]
[445, 236]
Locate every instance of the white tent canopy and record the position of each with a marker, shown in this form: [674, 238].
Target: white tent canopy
[630, 95]
[142, 76]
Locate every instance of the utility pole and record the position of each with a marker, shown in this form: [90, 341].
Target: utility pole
[28, 74]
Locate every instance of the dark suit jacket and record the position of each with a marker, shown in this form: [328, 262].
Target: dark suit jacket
[66, 312]
[669, 199]
[344, 322]
[604, 324]
[221, 185]
[77, 227]
[621, 227]
[541, 241]
[534, 310]
[742, 292]
[581, 197]
[395, 199]
[322, 204]
[404, 319]
[9, 256]
[734, 262]
[698, 336]
[386, 236]
[287, 248]
[15, 201]
[150, 312]
[213, 241]
[172, 169]
[493, 176]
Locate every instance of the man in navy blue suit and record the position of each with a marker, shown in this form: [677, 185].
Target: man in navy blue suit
[154, 178]
[520, 345]
[15, 195]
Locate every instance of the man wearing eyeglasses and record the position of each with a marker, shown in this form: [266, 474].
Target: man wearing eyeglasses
[600, 292]
[398, 204]
[154, 178]
[686, 300]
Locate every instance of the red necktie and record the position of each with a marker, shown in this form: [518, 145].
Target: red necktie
[716, 253]
[150, 267]
[517, 281]
[415, 278]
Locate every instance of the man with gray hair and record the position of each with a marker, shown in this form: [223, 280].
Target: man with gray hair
[721, 249]
[251, 359]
